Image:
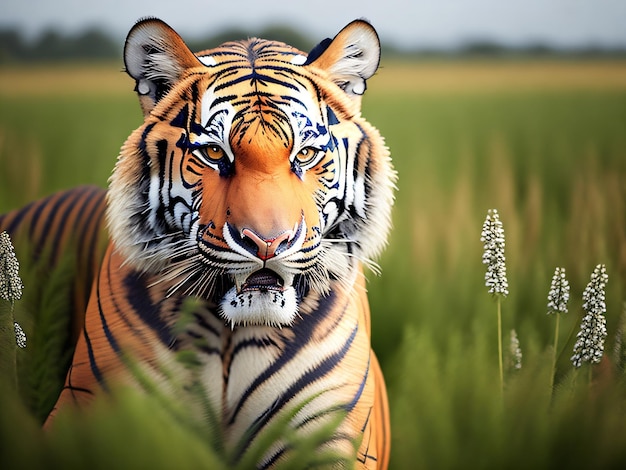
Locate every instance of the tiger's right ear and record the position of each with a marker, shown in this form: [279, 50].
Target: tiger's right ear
[156, 57]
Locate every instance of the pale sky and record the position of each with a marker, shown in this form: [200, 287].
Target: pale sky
[399, 22]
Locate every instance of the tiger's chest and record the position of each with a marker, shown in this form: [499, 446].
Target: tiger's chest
[308, 372]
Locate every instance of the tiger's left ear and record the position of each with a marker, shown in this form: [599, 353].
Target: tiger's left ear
[156, 57]
[350, 58]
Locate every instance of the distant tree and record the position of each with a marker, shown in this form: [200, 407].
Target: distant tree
[215, 39]
[94, 44]
[284, 34]
[483, 48]
[288, 35]
[11, 45]
[50, 46]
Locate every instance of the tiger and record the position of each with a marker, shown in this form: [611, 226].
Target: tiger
[64, 231]
[255, 187]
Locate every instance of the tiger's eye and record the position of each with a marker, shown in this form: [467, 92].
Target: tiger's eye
[214, 152]
[307, 155]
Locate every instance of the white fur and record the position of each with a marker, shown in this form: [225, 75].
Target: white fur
[271, 307]
[267, 307]
[298, 59]
[208, 60]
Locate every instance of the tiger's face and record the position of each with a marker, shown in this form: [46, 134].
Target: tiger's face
[253, 179]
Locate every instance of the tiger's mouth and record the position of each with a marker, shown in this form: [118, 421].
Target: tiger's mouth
[263, 280]
[263, 297]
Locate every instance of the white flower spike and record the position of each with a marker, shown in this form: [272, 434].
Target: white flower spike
[516, 351]
[492, 236]
[20, 336]
[589, 345]
[10, 283]
[559, 292]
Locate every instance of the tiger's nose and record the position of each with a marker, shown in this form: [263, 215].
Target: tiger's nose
[248, 241]
[252, 242]
[267, 248]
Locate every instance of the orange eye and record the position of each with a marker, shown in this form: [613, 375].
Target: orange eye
[213, 153]
[308, 155]
[214, 156]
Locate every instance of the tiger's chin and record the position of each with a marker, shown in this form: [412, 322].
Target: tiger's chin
[261, 299]
[269, 308]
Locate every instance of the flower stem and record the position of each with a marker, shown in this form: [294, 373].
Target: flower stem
[499, 310]
[8, 354]
[554, 351]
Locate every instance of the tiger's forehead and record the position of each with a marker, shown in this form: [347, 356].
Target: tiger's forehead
[258, 89]
[252, 53]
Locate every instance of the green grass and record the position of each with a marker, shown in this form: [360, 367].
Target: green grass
[552, 161]
[50, 143]
[553, 165]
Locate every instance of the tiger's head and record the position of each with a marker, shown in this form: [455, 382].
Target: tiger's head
[253, 179]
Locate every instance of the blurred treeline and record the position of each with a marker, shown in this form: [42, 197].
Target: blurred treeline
[96, 44]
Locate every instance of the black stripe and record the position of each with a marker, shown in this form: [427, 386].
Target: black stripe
[350, 406]
[182, 118]
[255, 77]
[17, 219]
[204, 324]
[137, 296]
[95, 370]
[302, 333]
[367, 418]
[120, 311]
[322, 369]
[77, 196]
[94, 222]
[222, 99]
[35, 216]
[59, 201]
[271, 461]
[71, 387]
[105, 327]
[260, 343]
[366, 453]
[77, 389]
[161, 146]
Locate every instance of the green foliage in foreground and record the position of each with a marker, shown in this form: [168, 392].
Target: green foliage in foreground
[552, 163]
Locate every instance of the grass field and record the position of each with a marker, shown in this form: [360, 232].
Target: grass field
[544, 142]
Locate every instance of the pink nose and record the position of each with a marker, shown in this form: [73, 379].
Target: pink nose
[267, 246]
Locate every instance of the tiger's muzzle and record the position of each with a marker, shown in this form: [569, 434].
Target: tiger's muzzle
[263, 292]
